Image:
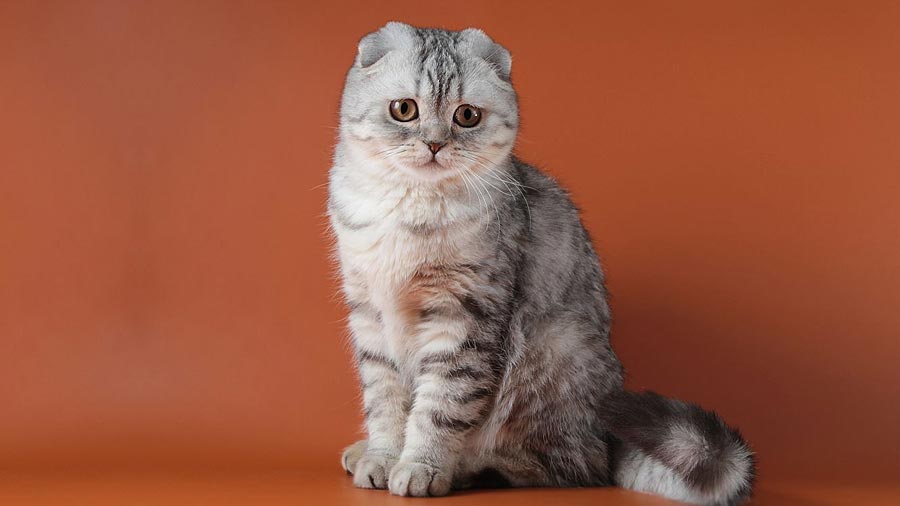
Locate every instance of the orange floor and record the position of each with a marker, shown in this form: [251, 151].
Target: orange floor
[300, 488]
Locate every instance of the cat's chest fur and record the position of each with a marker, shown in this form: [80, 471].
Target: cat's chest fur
[388, 236]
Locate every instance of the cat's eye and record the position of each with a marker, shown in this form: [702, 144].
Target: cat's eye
[404, 109]
[467, 116]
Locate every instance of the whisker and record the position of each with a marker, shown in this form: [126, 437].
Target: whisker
[466, 182]
[492, 171]
[493, 204]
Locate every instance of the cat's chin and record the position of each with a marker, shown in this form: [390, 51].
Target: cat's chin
[432, 166]
[431, 170]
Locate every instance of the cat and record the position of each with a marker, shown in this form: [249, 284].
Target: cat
[478, 309]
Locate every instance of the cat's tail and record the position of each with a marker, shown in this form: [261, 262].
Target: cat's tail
[677, 450]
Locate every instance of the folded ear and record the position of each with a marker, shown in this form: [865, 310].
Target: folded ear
[375, 45]
[482, 46]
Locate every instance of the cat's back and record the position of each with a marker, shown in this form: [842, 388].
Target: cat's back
[561, 267]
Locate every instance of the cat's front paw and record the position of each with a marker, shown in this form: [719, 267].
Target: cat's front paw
[371, 471]
[418, 480]
[352, 454]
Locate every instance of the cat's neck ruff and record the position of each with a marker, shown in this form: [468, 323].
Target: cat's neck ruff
[367, 191]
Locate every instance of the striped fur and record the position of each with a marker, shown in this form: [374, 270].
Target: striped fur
[478, 306]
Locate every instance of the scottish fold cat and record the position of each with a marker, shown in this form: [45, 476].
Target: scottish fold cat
[478, 311]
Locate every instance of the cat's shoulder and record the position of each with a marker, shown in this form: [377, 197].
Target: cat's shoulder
[538, 184]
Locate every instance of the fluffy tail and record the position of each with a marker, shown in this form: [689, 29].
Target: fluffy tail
[677, 450]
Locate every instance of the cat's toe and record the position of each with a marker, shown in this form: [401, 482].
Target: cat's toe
[372, 471]
[352, 454]
[418, 480]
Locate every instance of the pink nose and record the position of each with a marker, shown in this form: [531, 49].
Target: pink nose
[434, 147]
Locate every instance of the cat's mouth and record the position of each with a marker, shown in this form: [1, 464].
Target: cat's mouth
[432, 164]
[431, 168]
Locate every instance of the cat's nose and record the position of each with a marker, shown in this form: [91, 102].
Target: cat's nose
[434, 147]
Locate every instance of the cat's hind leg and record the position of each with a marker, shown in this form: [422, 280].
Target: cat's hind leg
[502, 469]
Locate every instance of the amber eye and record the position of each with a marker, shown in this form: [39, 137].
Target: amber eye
[467, 116]
[404, 109]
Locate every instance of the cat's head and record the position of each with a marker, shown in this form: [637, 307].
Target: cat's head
[429, 104]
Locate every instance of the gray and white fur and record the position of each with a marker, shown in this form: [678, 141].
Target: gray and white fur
[478, 314]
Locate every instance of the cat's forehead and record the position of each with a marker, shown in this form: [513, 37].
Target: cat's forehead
[438, 68]
[433, 40]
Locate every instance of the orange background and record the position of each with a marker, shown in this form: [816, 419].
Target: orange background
[166, 294]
